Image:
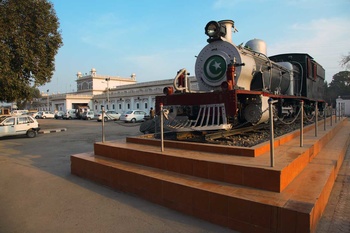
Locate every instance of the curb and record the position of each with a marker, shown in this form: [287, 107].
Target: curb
[52, 131]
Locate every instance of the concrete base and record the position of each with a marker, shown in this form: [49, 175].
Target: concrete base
[230, 186]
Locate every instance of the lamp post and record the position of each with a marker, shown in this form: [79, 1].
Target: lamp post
[107, 80]
[48, 103]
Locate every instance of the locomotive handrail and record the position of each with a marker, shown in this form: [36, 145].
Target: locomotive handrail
[301, 75]
[186, 86]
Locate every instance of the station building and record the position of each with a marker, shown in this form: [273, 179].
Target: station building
[343, 106]
[113, 92]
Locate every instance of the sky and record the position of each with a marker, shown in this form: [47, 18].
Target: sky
[155, 38]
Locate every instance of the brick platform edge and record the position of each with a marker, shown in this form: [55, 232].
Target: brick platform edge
[297, 208]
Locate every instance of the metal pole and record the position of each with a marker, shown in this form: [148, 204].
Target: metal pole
[331, 115]
[316, 119]
[339, 111]
[161, 128]
[107, 80]
[272, 139]
[301, 123]
[48, 101]
[324, 118]
[103, 124]
[336, 117]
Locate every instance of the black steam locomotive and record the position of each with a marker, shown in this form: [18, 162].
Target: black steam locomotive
[234, 83]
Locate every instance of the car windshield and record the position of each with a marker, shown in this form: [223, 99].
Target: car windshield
[3, 118]
[128, 112]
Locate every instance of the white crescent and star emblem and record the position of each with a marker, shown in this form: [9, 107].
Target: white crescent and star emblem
[214, 68]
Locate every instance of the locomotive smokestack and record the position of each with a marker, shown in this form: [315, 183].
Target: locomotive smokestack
[229, 25]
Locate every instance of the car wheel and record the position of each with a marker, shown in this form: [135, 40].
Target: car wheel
[44, 117]
[89, 118]
[31, 133]
[133, 120]
[105, 119]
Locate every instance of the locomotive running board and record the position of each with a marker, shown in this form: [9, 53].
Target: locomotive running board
[217, 121]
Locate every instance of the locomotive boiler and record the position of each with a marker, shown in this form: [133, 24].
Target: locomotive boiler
[234, 83]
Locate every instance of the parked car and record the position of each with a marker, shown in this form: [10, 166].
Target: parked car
[70, 114]
[59, 115]
[133, 116]
[108, 116]
[33, 114]
[19, 112]
[45, 114]
[18, 125]
[88, 115]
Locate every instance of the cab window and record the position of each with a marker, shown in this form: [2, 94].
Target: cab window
[9, 121]
[24, 120]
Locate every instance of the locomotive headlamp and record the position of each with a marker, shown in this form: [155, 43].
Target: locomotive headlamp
[215, 30]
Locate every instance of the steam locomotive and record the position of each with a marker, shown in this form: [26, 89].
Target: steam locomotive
[234, 84]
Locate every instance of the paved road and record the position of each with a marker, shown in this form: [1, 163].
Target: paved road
[39, 194]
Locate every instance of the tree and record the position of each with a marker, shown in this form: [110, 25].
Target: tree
[340, 85]
[29, 40]
[34, 93]
[345, 61]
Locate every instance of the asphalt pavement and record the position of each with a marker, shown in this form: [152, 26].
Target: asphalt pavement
[39, 194]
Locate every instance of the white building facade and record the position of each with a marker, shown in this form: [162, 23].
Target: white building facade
[113, 92]
[343, 106]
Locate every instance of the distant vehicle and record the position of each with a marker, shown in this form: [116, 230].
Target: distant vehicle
[19, 112]
[18, 125]
[88, 115]
[33, 114]
[59, 115]
[108, 116]
[46, 114]
[133, 116]
[70, 114]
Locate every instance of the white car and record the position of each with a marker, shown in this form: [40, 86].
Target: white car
[108, 116]
[133, 116]
[18, 125]
[46, 114]
[88, 115]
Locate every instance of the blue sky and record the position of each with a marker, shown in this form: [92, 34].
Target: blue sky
[156, 38]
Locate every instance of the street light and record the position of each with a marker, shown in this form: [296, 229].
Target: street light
[107, 80]
[48, 104]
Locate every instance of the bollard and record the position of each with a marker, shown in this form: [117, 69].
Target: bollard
[316, 119]
[272, 139]
[103, 124]
[161, 128]
[301, 123]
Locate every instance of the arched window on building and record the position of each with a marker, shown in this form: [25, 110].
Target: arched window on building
[85, 86]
